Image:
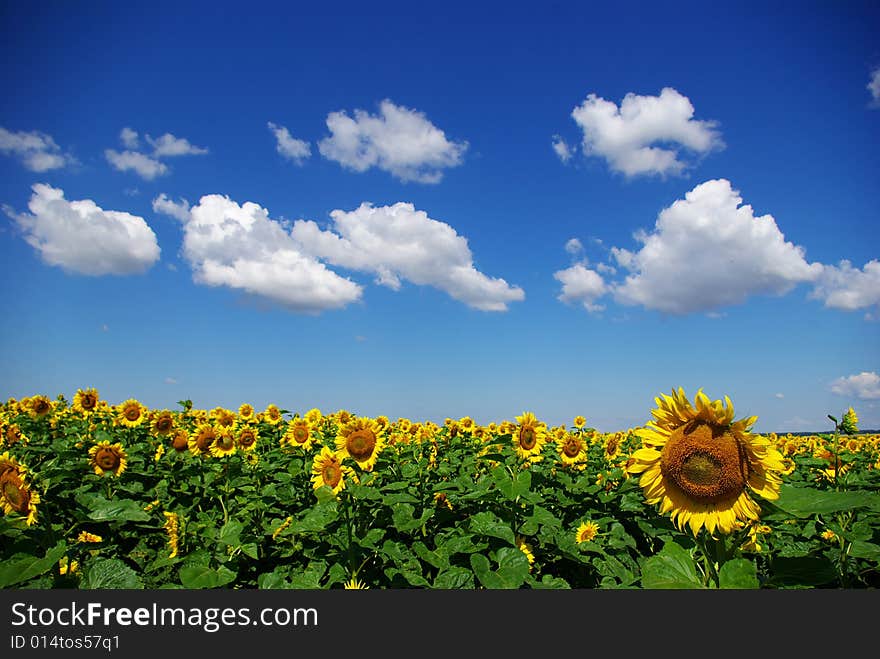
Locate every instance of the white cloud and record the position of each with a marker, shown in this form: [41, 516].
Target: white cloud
[37, 151]
[170, 380]
[561, 149]
[848, 288]
[864, 385]
[574, 246]
[167, 146]
[780, 396]
[144, 166]
[397, 242]
[179, 210]
[83, 238]
[243, 248]
[581, 285]
[708, 251]
[288, 146]
[129, 138]
[874, 87]
[398, 140]
[627, 136]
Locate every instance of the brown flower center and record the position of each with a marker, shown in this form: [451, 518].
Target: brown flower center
[132, 412]
[331, 474]
[571, 447]
[360, 444]
[611, 446]
[88, 401]
[13, 434]
[528, 438]
[246, 438]
[705, 461]
[16, 494]
[179, 442]
[107, 459]
[225, 442]
[164, 424]
[300, 434]
[205, 439]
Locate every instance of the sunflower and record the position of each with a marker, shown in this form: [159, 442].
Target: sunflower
[529, 436]
[612, 445]
[361, 439]
[180, 440]
[572, 450]
[699, 464]
[579, 421]
[202, 439]
[163, 423]
[272, 415]
[525, 549]
[246, 412]
[172, 529]
[107, 458]
[224, 443]
[223, 417]
[85, 537]
[298, 434]
[85, 401]
[586, 532]
[314, 417]
[131, 413]
[39, 406]
[327, 469]
[16, 495]
[849, 425]
[355, 584]
[247, 436]
[12, 434]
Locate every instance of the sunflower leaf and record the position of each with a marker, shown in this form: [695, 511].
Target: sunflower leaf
[117, 510]
[738, 573]
[17, 570]
[803, 502]
[672, 567]
[203, 576]
[107, 573]
[487, 523]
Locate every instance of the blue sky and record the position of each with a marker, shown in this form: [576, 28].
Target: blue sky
[475, 210]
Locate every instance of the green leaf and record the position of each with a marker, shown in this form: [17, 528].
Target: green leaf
[271, 581]
[487, 523]
[17, 570]
[250, 549]
[862, 549]
[310, 578]
[106, 573]
[483, 569]
[513, 569]
[512, 488]
[317, 518]
[738, 573]
[117, 510]
[229, 533]
[454, 578]
[806, 571]
[403, 517]
[672, 567]
[364, 492]
[803, 502]
[202, 576]
[437, 560]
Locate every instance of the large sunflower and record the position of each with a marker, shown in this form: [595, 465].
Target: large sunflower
[131, 413]
[162, 423]
[107, 458]
[361, 439]
[572, 450]
[327, 469]
[224, 443]
[39, 406]
[246, 437]
[700, 465]
[298, 434]
[85, 401]
[202, 438]
[529, 436]
[16, 495]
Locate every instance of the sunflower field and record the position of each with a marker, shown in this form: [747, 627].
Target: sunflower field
[99, 496]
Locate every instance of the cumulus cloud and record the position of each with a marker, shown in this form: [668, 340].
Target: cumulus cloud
[149, 166]
[168, 145]
[83, 238]
[288, 146]
[705, 252]
[144, 166]
[37, 151]
[398, 140]
[574, 246]
[848, 288]
[399, 242]
[874, 87]
[561, 149]
[581, 285]
[241, 247]
[709, 251]
[864, 385]
[627, 137]
[180, 210]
